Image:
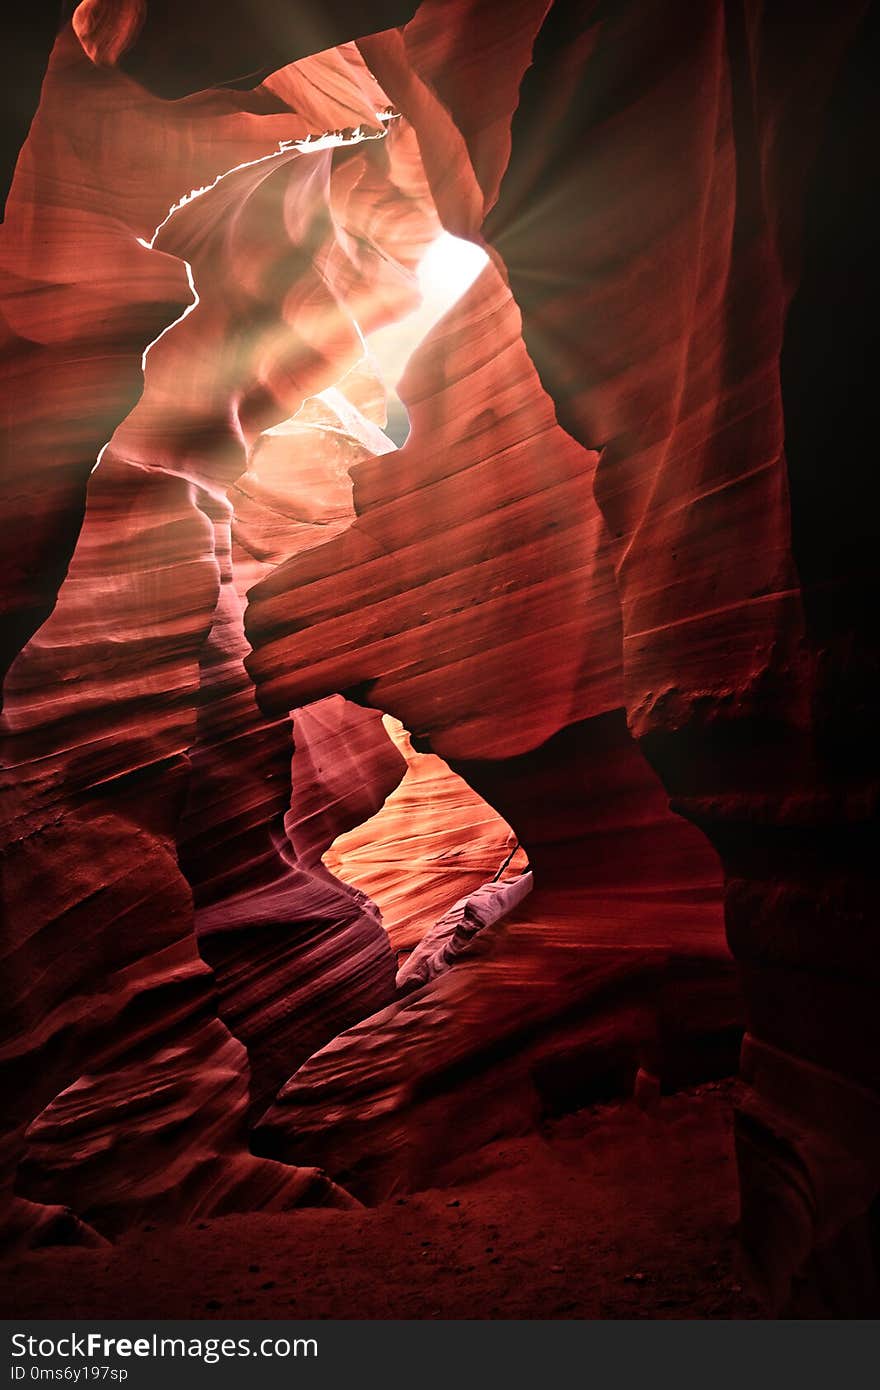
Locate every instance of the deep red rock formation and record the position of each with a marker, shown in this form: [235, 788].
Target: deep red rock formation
[622, 884]
[131, 704]
[591, 977]
[591, 581]
[125, 1023]
[690, 198]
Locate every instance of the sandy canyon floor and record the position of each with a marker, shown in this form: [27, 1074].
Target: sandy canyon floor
[609, 1213]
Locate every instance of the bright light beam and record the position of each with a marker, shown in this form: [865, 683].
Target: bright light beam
[448, 268]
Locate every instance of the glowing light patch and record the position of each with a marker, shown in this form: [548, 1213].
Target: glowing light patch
[448, 268]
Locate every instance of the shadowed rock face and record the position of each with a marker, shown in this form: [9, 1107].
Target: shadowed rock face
[698, 192]
[590, 581]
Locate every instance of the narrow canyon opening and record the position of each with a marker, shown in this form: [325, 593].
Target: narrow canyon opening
[448, 268]
[433, 844]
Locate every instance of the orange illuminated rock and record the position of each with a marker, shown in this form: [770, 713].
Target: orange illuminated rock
[434, 840]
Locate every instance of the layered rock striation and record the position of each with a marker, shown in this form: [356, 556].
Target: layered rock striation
[593, 586]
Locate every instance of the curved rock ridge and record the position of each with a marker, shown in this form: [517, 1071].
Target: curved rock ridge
[109, 1142]
[441, 946]
[460, 108]
[344, 767]
[615, 961]
[103, 163]
[433, 838]
[481, 545]
[473, 596]
[130, 706]
[172, 52]
[296, 491]
[99, 716]
[292, 259]
[693, 138]
[296, 956]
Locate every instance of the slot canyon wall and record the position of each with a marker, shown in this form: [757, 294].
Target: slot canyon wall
[362, 804]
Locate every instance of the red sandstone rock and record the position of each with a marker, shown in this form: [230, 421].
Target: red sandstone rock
[655, 268]
[131, 703]
[548, 567]
[81, 300]
[591, 977]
